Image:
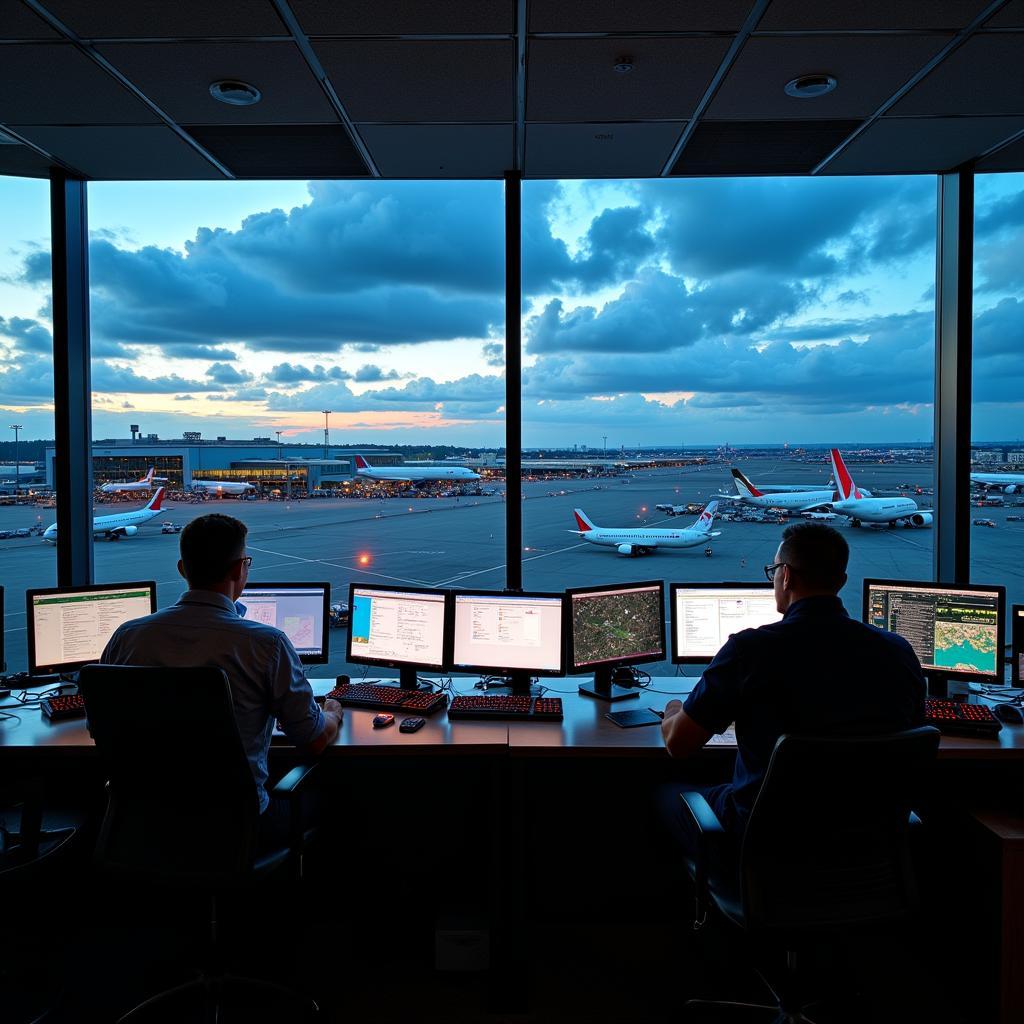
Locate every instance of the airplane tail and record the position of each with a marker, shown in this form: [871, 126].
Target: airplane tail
[844, 482]
[706, 518]
[361, 463]
[583, 521]
[156, 501]
[148, 478]
[744, 487]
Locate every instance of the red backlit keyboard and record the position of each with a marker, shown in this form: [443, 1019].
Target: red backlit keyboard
[63, 707]
[534, 709]
[952, 716]
[387, 698]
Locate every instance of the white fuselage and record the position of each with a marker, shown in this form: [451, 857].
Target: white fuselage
[222, 486]
[139, 485]
[647, 538]
[1009, 481]
[410, 475]
[103, 526]
[876, 510]
[792, 501]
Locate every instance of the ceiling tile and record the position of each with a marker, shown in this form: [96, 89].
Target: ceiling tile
[869, 70]
[576, 80]
[622, 16]
[398, 17]
[724, 148]
[120, 152]
[53, 83]
[282, 151]
[152, 19]
[440, 150]
[858, 16]
[22, 162]
[20, 23]
[981, 77]
[909, 145]
[177, 77]
[599, 150]
[401, 81]
[1009, 159]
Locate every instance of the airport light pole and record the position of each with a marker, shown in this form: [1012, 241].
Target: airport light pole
[17, 465]
[327, 431]
[278, 432]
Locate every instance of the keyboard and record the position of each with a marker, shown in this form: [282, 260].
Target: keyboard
[58, 708]
[951, 716]
[387, 698]
[532, 709]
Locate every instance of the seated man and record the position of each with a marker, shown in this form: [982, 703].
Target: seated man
[204, 629]
[816, 672]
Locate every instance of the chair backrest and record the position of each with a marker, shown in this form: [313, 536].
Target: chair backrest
[827, 842]
[182, 803]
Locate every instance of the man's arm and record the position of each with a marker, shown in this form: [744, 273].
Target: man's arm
[682, 735]
[303, 722]
[332, 724]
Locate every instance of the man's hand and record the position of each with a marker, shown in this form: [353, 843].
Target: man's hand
[333, 714]
[332, 707]
[682, 735]
[673, 707]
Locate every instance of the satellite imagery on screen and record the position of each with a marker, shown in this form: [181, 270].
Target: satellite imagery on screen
[610, 626]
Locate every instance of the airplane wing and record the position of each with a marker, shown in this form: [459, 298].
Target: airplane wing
[715, 533]
[817, 506]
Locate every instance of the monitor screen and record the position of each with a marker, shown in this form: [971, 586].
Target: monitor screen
[621, 624]
[68, 627]
[954, 630]
[705, 615]
[499, 632]
[1017, 647]
[396, 626]
[299, 610]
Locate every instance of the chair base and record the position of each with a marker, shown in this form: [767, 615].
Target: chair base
[213, 997]
[704, 1009]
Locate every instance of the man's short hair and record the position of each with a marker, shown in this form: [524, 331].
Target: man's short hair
[209, 545]
[817, 553]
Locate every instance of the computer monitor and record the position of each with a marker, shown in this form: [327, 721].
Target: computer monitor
[68, 627]
[1016, 646]
[398, 627]
[705, 615]
[300, 610]
[3, 664]
[612, 627]
[956, 630]
[510, 634]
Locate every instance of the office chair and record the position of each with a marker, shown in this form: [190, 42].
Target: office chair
[188, 819]
[826, 851]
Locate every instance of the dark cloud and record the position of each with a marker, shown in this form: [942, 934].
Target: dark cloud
[297, 373]
[26, 379]
[370, 373]
[27, 335]
[199, 352]
[494, 353]
[184, 398]
[225, 373]
[108, 378]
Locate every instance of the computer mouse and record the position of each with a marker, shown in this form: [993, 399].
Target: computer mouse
[383, 719]
[1009, 713]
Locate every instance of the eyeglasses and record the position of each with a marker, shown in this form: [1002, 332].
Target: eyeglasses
[771, 570]
[247, 559]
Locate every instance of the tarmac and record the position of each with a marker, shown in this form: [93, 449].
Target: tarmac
[460, 543]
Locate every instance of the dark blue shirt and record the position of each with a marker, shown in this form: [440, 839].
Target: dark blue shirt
[817, 671]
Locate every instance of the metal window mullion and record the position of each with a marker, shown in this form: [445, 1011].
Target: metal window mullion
[513, 382]
[72, 382]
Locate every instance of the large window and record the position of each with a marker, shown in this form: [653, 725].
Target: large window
[997, 415]
[232, 324]
[26, 401]
[676, 330]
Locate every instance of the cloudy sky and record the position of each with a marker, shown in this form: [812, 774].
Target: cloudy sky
[655, 312]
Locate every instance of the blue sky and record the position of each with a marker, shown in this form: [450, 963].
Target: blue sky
[658, 312]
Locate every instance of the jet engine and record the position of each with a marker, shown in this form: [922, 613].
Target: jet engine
[625, 549]
[1011, 489]
[921, 519]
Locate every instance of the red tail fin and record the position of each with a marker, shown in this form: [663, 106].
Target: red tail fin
[361, 463]
[156, 500]
[582, 522]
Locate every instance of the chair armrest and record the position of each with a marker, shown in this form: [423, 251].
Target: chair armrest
[700, 810]
[288, 785]
[915, 821]
[710, 832]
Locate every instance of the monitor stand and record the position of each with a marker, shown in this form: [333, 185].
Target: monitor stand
[520, 683]
[603, 688]
[408, 679]
[938, 684]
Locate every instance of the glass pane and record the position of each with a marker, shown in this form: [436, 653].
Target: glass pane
[228, 318]
[997, 423]
[26, 403]
[677, 330]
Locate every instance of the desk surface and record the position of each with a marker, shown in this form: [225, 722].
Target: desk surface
[585, 732]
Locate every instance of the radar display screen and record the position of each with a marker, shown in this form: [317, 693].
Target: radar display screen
[621, 625]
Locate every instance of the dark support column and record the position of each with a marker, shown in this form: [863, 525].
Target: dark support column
[513, 382]
[954, 276]
[72, 383]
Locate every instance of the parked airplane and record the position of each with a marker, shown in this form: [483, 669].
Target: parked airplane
[407, 473]
[637, 541]
[222, 487]
[123, 524]
[794, 501]
[144, 483]
[1011, 483]
[853, 504]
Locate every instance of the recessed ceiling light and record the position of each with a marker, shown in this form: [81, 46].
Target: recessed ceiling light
[808, 87]
[235, 93]
[623, 65]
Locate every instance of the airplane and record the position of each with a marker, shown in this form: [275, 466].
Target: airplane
[144, 483]
[1011, 483]
[122, 524]
[822, 516]
[636, 541]
[222, 487]
[397, 473]
[793, 501]
[858, 508]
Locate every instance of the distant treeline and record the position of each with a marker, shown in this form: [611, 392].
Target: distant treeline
[28, 451]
